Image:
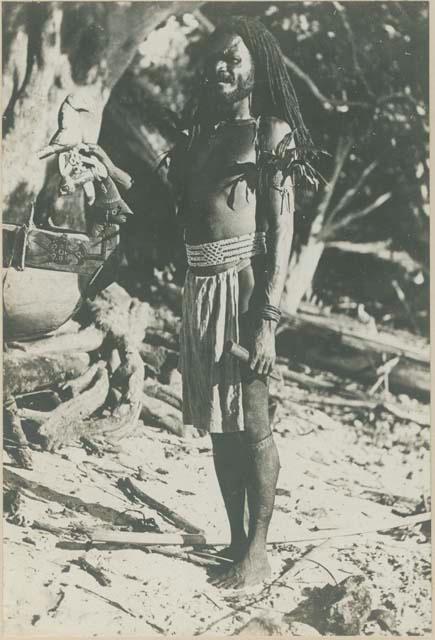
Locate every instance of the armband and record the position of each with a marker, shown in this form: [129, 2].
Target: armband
[270, 312]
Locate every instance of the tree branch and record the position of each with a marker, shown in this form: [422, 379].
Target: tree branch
[328, 103]
[346, 24]
[329, 230]
[343, 150]
[350, 193]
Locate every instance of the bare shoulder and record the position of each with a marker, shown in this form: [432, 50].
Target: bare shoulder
[272, 131]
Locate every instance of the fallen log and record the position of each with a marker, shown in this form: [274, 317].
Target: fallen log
[133, 491]
[165, 393]
[43, 400]
[106, 514]
[79, 384]
[192, 539]
[65, 423]
[370, 403]
[15, 441]
[114, 311]
[159, 359]
[158, 413]
[128, 380]
[320, 342]
[89, 339]
[124, 319]
[307, 381]
[38, 417]
[163, 319]
[24, 372]
[161, 338]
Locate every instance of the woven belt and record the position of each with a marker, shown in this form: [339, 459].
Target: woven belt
[229, 250]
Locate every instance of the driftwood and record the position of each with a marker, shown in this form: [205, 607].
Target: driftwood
[121, 322]
[79, 384]
[112, 603]
[145, 539]
[124, 417]
[128, 379]
[187, 539]
[357, 399]
[89, 339]
[166, 393]
[115, 312]
[318, 341]
[44, 399]
[38, 417]
[158, 413]
[161, 338]
[307, 381]
[15, 441]
[160, 360]
[103, 513]
[131, 489]
[24, 372]
[66, 422]
[418, 416]
[95, 572]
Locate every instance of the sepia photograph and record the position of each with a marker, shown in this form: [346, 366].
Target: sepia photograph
[216, 319]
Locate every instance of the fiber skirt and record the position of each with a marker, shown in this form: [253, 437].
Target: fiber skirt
[212, 389]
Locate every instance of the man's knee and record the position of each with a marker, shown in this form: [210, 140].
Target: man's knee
[226, 443]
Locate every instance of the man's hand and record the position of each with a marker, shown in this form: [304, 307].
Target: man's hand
[263, 348]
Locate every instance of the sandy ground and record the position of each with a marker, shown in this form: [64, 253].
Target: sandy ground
[335, 474]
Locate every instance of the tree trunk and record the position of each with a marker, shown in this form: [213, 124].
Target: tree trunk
[303, 267]
[51, 49]
[23, 372]
[301, 275]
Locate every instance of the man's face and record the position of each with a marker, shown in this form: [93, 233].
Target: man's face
[229, 69]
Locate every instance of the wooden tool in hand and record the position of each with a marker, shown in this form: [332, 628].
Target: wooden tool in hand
[243, 355]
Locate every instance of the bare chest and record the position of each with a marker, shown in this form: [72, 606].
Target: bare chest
[226, 151]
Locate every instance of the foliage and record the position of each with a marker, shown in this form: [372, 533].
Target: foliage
[361, 74]
[364, 76]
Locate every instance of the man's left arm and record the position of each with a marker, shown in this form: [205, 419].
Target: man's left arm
[277, 205]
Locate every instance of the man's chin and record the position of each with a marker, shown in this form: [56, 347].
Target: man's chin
[225, 94]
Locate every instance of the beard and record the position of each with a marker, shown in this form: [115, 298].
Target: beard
[219, 98]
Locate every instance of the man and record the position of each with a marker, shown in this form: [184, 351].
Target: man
[246, 135]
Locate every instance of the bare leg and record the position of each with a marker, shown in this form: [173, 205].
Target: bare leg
[262, 475]
[229, 455]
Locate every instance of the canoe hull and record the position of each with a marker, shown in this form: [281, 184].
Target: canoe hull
[38, 301]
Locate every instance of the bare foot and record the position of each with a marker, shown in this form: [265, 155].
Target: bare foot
[234, 552]
[251, 570]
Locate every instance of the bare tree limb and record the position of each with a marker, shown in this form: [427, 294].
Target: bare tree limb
[328, 103]
[343, 150]
[351, 193]
[329, 230]
[346, 24]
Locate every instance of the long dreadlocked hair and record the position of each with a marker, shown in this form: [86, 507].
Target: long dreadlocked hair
[273, 95]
